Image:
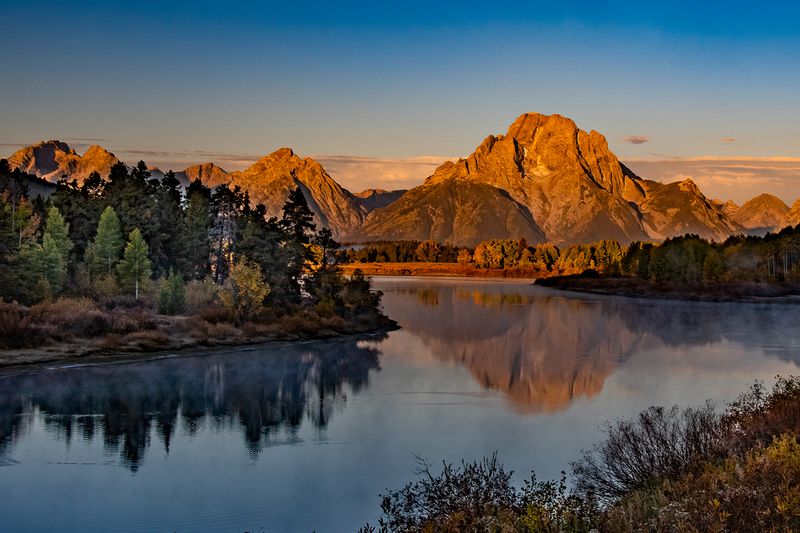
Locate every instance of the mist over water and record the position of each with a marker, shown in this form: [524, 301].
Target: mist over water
[295, 437]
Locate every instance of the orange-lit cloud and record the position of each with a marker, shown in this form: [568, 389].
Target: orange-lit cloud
[359, 173]
[728, 140]
[635, 139]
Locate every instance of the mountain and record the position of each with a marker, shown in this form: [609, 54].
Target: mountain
[50, 160]
[208, 173]
[568, 180]
[762, 214]
[670, 209]
[463, 213]
[270, 179]
[372, 199]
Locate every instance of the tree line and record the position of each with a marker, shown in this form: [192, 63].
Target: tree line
[494, 254]
[117, 237]
[774, 257]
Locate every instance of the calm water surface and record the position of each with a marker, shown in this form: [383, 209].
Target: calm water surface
[303, 437]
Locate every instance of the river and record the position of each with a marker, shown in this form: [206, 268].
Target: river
[305, 436]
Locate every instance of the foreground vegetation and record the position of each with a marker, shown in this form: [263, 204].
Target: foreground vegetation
[668, 470]
[133, 263]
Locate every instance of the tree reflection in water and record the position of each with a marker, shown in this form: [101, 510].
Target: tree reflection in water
[260, 391]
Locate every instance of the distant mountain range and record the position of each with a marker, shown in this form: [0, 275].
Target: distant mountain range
[544, 180]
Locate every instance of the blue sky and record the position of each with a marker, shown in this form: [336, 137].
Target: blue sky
[390, 90]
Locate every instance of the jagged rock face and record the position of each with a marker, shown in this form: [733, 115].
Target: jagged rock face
[728, 208]
[270, 179]
[793, 215]
[678, 208]
[760, 215]
[209, 174]
[372, 199]
[52, 160]
[460, 212]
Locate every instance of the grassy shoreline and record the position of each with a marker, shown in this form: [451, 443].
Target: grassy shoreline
[77, 330]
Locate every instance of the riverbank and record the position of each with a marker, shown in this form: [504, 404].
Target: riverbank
[77, 331]
[707, 292]
[442, 270]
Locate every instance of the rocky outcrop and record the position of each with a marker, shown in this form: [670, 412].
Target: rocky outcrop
[670, 209]
[372, 199]
[760, 215]
[208, 173]
[793, 215]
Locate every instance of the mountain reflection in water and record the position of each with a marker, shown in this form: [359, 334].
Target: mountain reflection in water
[121, 403]
[543, 349]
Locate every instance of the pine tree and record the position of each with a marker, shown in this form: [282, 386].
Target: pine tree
[298, 219]
[298, 223]
[168, 199]
[104, 252]
[55, 249]
[58, 230]
[193, 260]
[135, 267]
[229, 207]
[172, 298]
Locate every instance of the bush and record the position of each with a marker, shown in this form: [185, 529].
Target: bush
[479, 496]
[244, 291]
[200, 294]
[106, 287]
[466, 497]
[78, 317]
[660, 444]
[759, 415]
[17, 329]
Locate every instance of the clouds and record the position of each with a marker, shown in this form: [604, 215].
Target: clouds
[734, 178]
[635, 139]
[359, 173]
[728, 140]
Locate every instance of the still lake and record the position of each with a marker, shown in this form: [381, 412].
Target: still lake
[302, 437]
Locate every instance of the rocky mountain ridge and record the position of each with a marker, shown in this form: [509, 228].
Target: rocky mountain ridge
[544, 180]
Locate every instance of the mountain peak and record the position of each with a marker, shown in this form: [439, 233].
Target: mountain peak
[282, 153]
[527, 124]
[761, 214]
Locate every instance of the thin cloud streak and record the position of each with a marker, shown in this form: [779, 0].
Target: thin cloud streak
[736, 178]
